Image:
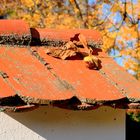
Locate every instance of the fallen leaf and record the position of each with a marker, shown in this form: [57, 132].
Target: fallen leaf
[68, 50]
[92, 61]
[83, 41]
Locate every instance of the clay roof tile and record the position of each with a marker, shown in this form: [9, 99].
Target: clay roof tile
[29, 77]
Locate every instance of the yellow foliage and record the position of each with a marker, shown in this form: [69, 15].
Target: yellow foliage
[28, 3]
[116, 8]
[109, 41]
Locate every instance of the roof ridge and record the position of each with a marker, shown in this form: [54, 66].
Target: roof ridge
[18, 32]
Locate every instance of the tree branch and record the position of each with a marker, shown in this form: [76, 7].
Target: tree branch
[80, 12]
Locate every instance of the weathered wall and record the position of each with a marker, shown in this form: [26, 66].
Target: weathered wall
[48, 123]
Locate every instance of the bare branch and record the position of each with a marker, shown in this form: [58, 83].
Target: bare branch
[80, 12]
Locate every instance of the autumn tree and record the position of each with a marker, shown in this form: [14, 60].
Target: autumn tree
[117, 20]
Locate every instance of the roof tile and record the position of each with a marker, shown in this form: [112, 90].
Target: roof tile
[58, 37]
[29, 77]
[14, 32]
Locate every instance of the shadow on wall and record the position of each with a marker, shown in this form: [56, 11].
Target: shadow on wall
[60, 124]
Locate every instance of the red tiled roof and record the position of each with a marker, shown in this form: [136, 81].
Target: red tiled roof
[30, 77]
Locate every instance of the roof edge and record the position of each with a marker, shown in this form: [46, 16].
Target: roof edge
[19, 103]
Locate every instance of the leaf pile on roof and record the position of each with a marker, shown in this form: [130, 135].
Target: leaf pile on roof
[71, 49]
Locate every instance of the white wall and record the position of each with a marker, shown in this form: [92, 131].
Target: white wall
[48, 123]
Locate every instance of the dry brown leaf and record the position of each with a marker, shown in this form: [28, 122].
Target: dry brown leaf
[69, 50]
[83, 40]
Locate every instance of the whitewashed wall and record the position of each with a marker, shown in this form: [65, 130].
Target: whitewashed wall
[48, 123]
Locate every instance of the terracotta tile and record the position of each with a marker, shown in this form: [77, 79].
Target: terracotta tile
[36, 78]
